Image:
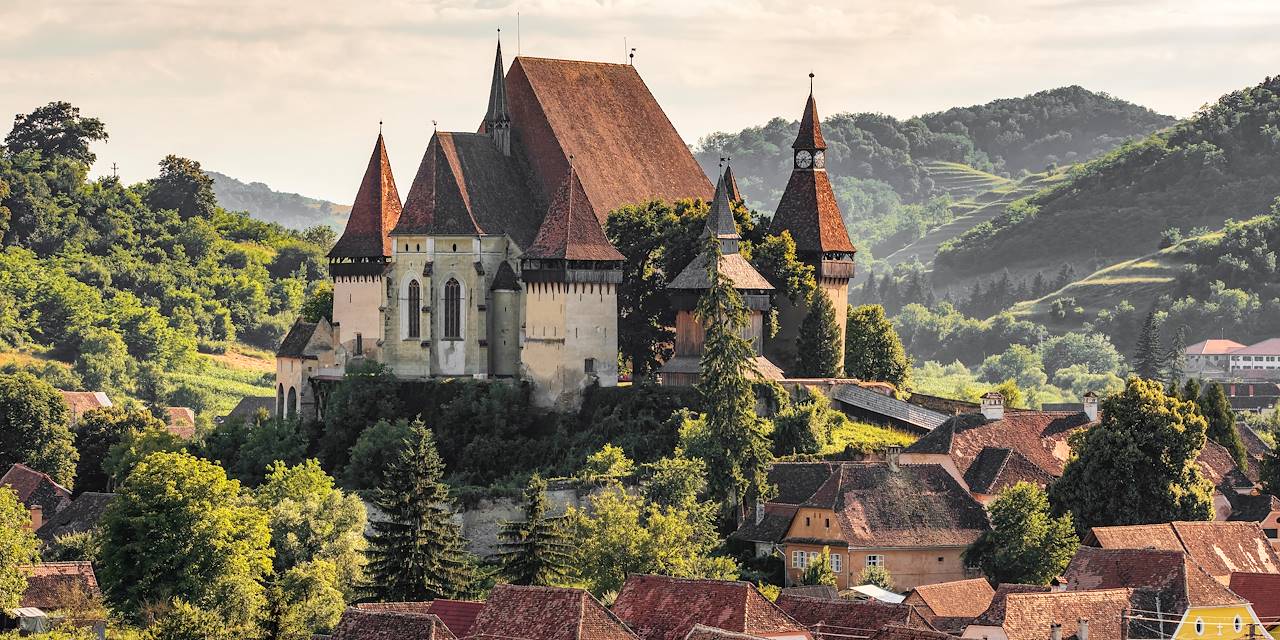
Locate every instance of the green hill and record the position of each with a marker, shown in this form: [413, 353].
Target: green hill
[960, 181]
[286, 209]
[1221, 163]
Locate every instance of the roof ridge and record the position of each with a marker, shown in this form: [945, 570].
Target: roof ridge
[592, 62]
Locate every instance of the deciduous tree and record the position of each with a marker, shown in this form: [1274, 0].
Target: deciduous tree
[1025, 545]
[819, 571]
[311, 521]
[97, 432]
[56, 129]
[33, 428]
[872, 350]
[17, 548]
[183, 187]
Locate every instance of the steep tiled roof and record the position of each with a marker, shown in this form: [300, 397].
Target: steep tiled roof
[374, 212]
[498, 111]
[547, 613]
[847, 617]
[997, 468]
[295, 342]
[1219, 466]
[720, 223]
[366, 624]
[181, 421]
[1268, 347]
[662, 608]
[731, 265]
[570, 230]
[457, 615]
[1220, 548]
[249, 405]
[732, 184]
[79, 402]
[1171, 573]
[1213, 347]
[808, 209]
[465, 186]
[625, 149]
[36, 488]
[1252, 508]
[1038, 436]
[1261, 589]
[994, 615]
[1028, 616]
[918, 505]
[896, 632]
[810, 134]
[83, 514]
[797, 481]
[505, 279]
[956, 599]
[703, 632]
[770, 529]
[54, 585]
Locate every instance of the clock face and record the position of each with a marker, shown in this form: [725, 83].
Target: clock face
[803, 159]
[819, 159]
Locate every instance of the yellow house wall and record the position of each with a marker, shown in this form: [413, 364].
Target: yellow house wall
[1219, 624]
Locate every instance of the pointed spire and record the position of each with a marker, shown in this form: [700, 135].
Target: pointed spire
[720, 222]
[810, 135]
[732, 184]
[375, 211]
[570, 230]
[498, 90]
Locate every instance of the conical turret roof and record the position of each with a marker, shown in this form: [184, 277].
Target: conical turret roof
[374, 213]
[498, 111]
[570, 230]
[720, 223]
[810, 135]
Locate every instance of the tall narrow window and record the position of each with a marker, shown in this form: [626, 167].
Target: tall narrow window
[359, 344]
[415, 309]
[452, 309]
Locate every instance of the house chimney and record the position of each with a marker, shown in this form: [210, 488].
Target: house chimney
[891, 455]
[759, 512]
[37, 517]
[993, 406]
[1055, 631]
[1091, 405]
[1082, 631]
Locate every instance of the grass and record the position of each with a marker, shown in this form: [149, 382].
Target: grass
[962, 181]
[865, 438]
[227, 378]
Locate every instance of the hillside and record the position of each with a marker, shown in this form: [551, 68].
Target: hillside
[286, 209]
[1223, 162]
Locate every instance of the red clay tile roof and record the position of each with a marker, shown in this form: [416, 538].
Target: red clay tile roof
[1220, 548]
[1213, 347]
[570, 230]
[625, 149]
[54, 585]
[457, 615]
[994, 615]
[1262, 589]
[181, 421]
[957, 599]
[366, 624]
[36, 488]
[703, 632]
[79, 402]
[1253, 508]
[83, 514]
[847, 617]
[1268, 347]
[547, 613]
[810, 134]
[734, 194]
[1219, 466]
[918, 505]
[896, 632]
[465, 186]
[997, 468]
[374, 212]
[1028, 616]
[1038, 436]
[663, 608]
[1168, 572]
[808, 209]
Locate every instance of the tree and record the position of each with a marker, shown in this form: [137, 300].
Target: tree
[878, 576]
[675, 481]
[644, 310]
[1144, 434]
[1092, 350]
[807, 425]
[319, 302]
[818, 348]
[1216, 410]
[183, 187]
[1018, 363]
[536, 551]
[1175, 359]
[178, 528]
[33, 428]
[97, 432]
[373, 453]
[872, 349]
[819, 571]
[184, 621]
[56, 129]
[304, 601]
[738, 460]
[1147, 357]
[417, 553]
[608, 462]
[18, 547]
[1025, 544]
[368, 393]
[135, 446]
[313, 521]
[1191, 391]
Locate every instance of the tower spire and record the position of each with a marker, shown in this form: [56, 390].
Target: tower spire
[720, 223]
[497, 120]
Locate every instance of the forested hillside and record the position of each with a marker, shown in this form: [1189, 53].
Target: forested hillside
[1222, 163]
[127, 284]
[894, 179]
[286, 209]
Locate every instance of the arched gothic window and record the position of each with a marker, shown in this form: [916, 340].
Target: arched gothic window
[280, 401]
[452, 309]
[415, 309]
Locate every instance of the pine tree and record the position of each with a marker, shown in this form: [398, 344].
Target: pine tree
[1216, 409]
[1190, 391]
[1147, 360]
[417, 553]
[737, 463]
[536, 551]
[818, 348]
[1175, 359]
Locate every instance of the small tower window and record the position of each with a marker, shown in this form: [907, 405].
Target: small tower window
[589, 365]
[452, 309]
[415, 309]
[359, 344]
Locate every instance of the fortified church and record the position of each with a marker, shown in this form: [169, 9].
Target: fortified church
[496, 265]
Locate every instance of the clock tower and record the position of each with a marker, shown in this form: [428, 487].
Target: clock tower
[808, 210]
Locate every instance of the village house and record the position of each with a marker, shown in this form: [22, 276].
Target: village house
[835, 618]
[547, 613]
[84, 514]
[1219, 548]
[359, 623]
[79, 402]
[951, 606]
[1227, 360]
[457, 615]
[664, 608]
[37, 491]
[1262, 591]
[1084, 615]
[990, 623]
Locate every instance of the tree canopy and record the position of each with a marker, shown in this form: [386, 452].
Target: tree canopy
[1025, 545]
[18, 547]
[872, 349]
[33, 428]
[57, 130]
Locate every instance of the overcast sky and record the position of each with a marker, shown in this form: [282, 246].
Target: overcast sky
[290, 93]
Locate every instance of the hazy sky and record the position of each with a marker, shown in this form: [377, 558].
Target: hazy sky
[290, 93]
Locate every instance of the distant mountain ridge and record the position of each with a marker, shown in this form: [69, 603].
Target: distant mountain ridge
[288, 209]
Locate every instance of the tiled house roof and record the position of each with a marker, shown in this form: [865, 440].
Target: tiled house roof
[896, 632]
[54, 585]
[36, 488]
[458, 615]
[950, 606]
[570, 230]
[1252, 508]
[249, 405]
[83, 514]
[1040, 437]
[374, 212]
[295, 342]
[795, 483]
[1028, 616]
[731, 265]
[625, 149]
[1261, 589]
[663, 608]
[1178, 580]
[181, 421]
[837, 618]
[994, 615]
[79, 402]
[365, 624]
[1220, 548]
[703, 632]
[997, 468]
[547, 613]
[1213, 347]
